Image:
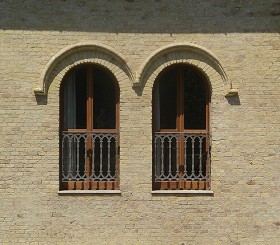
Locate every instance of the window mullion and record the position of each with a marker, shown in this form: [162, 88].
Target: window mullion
[180, 127]
[178, 101]
[89, 98]
[90, 145]
[181, 98]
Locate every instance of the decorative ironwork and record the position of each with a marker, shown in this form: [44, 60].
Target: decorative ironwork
[181, 157]
[89, 156]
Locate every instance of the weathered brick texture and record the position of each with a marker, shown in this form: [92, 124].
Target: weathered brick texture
[243, 35]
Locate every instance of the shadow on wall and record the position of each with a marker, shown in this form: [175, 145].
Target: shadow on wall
[41, 99]
[234, 100]
[137, 16]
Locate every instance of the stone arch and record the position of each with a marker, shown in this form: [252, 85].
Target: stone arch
[82, 53]
[186, 53]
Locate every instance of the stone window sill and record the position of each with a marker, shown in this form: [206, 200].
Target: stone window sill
[184, 192]
[89, 192]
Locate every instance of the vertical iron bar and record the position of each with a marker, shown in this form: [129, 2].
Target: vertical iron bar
[70, 156]
[155, 155]
[169, 158]
[162, 156]
[177, 154]
[78, 151]
[109, 149]
[193, 141]
[200, 155]
[92, 156]
[185, 154]
[208, 160]
[62, 157]
[116, 155]
[85, 146]
[100, 157]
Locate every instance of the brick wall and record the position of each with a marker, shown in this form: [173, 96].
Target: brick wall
[243, 35]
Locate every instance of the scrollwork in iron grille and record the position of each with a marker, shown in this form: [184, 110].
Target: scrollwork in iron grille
[195, 160]
[89, 156]
[104, 157]
[196, 155]
[166, 157]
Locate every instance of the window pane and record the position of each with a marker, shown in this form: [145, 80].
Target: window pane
[74, 95]
[165, 96]
[104, 100]
[194, 100]
[81, 97]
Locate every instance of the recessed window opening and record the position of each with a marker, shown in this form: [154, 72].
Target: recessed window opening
[89, 135]
[181, 147]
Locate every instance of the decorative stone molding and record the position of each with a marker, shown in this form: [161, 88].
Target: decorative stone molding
[81, 53]
[187, 53]
[89, 52]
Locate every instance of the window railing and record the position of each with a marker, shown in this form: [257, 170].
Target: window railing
[181, 157]
[89, 157]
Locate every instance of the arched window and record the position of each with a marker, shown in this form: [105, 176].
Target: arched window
[89, 112]
[181, 149]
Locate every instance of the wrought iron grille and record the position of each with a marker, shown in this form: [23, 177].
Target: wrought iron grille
[89, 156]
[181, 157]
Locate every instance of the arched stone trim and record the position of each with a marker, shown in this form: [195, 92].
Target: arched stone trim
[187, 53]
[82, 53]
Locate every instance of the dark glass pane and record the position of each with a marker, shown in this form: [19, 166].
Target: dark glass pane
[81, 98]
[104, 100]
[194, 100]
[75, 95]
[166, 100]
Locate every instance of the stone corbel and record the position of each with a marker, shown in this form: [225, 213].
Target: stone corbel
[232, 92]
[39, 91]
